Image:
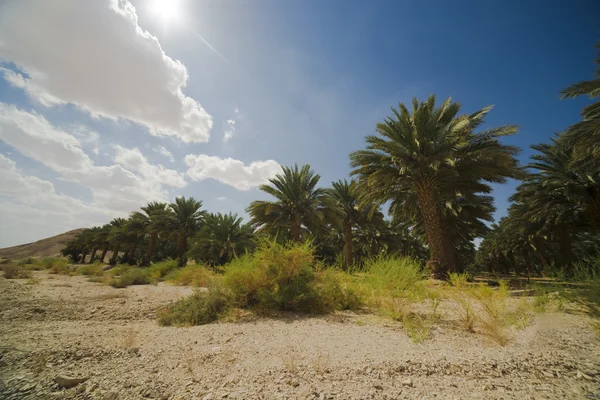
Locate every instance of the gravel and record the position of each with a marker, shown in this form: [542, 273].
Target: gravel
[108, 340]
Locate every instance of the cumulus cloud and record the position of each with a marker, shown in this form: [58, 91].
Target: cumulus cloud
[134, 160]
[93, 54]
[32, 201]
[230, 171]
[112, 186]
[163, 150]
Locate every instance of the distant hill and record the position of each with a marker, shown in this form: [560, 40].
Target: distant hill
[42, 248]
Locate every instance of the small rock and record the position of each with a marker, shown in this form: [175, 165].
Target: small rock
[407, 382]
[67, 382]
[208, 396]
[378, 387]
[548, 374]
[134, 350]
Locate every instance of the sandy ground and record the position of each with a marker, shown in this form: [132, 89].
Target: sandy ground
[69, 327]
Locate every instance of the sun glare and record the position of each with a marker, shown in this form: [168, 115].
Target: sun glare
[166, 10]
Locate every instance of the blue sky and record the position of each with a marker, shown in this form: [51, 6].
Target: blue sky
[109, 104]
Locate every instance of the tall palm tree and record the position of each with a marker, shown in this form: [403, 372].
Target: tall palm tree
[94, 241]
[157, 217]
[344, 202]
[585, 135]
[185, 221]
[116, 237]
[222, 237]
[102, 238]
[134, 231]
[433, 153]
[299, 204]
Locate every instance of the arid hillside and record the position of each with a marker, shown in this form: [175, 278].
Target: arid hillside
[42, 248]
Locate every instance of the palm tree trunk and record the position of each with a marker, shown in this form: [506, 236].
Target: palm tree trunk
[181, 241]
[83, 255]
[541, 252]
[347, 244]
[151, 247]
[566, 247]
[93, 255]
[443, 256]
[113, 259]
[295, 231]
[131, 255]
[104, 251]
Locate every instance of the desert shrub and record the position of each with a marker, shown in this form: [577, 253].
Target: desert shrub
[287, 277]
[56, 265]
[541, 298]
[417, 327]
[190, 275]
[132, 276]
[197, 309]
[5, 261]
[586, 270]
[24, 261]
[337, 290]
[12, 271]
[95, 269]
[396, 276]
[461, 295]
[157, 271]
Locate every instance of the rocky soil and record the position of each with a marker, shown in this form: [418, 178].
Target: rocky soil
[67, 338]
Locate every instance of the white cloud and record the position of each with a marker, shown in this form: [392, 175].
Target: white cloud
[222, 198]
[34, 202]
[93, 54]
[228, 133]
[230, 171]
[163, 150]
[134, 160]
[112, 186]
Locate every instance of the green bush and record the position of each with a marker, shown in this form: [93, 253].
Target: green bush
[279, 277]
[24, 261]
[157, 271]
[5, 261]
[191, 275]
[197, 309]
[132, 276]
[57, 265]
[12, 271]
[396, 277]
[95, 269]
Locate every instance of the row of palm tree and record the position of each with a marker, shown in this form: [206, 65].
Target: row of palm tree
[432, 166]
[554, 218]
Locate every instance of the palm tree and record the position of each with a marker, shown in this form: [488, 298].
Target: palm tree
[116, 237]
[344, 201]
[134, 231]
[222, 237]
[184, 222]
[299, 204]
[94, 241]
[432, 154]
[585, 135]
[157, 217]
[102, 238]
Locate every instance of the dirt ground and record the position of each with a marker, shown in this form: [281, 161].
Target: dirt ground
[68, 327]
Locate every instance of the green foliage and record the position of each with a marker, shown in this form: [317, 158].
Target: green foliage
[157, 271]
[190, 275]
[396, 276]
[133, 276]
[95, 269]
[221, 238]
[28, 260]
[275, 277]
[198, 309]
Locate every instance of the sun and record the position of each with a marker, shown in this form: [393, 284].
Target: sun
[166, 10]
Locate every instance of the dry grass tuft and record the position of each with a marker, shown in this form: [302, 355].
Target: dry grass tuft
[290, 360]
[322, 363]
